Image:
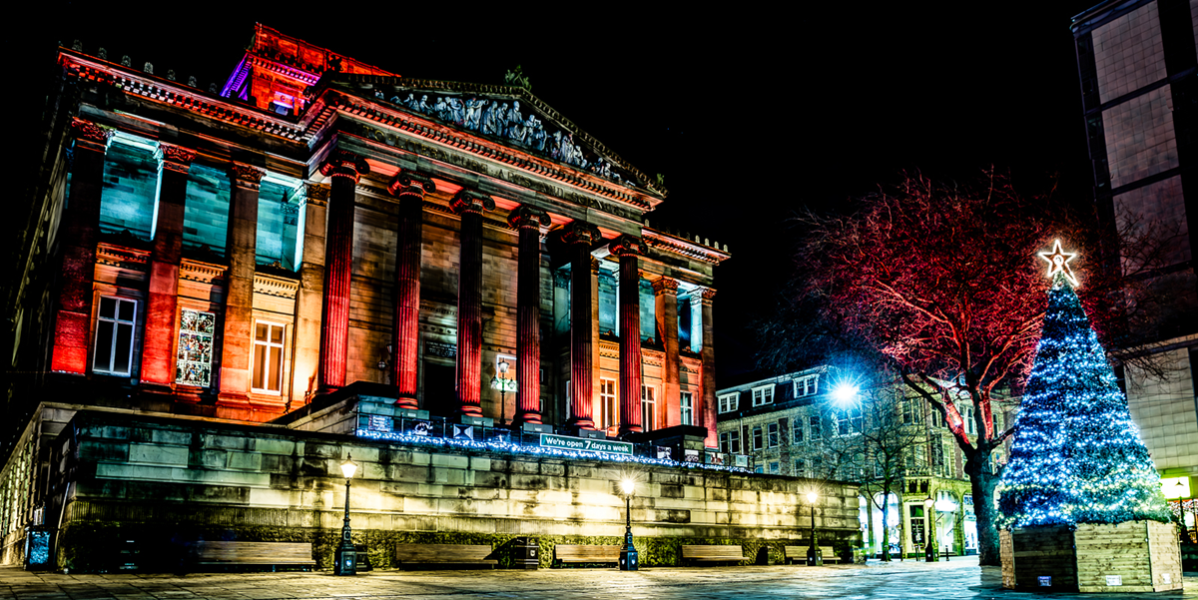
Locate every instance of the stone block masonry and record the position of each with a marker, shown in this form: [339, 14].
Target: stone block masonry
[160, 482]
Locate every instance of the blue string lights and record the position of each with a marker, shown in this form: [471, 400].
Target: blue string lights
[1077, 457]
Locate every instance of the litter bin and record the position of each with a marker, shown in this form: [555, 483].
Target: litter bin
[526, 553]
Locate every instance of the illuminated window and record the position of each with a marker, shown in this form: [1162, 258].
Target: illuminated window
[608, 409]
[268, 358]
[196, 329]
[687, 402]
[648, 407]
[114, 336]
[806, 386]
[729, 402]
[763, 395]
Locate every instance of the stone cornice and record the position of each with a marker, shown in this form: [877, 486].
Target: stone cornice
[664, 242]
[275, 286]
[122, 257]
[202, 272]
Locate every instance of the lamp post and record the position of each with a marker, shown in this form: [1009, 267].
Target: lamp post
[930, 546]
[814, 558]
[628, 558]
[502, 383]
[346, 556]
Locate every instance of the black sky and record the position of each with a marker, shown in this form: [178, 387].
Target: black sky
[750, 115]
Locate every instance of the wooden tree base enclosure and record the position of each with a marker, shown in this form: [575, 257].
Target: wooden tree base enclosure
[1133, 556]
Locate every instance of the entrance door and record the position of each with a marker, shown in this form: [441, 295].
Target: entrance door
[440, 398]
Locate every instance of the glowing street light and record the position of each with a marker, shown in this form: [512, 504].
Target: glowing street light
[628, 557]
[930, 547]
[346, 556]
[500, 380]
[814, 558]
[845, 392]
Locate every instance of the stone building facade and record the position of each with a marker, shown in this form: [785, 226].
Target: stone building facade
[1138, 65]
[791, 425]
[320, 223]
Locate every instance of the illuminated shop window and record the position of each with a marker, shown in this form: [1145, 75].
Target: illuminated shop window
[114, 336]
[268, 358]
[196, 329]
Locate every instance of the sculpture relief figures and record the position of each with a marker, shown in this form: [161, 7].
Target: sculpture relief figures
[507, 120]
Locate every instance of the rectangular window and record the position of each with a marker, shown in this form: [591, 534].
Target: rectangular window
[687, 402]
[848, 421]
[113, 352]
[815, 430]
[268, 358]
[800, 469]
[763, 395]
[774, 468]
[758, 469]
[648, 407]
[196, 329]
[729, 402]
[609, 411]
[806, 386]
[725, 447]
[756, 437]
[734, 441]
[773, 435]
[798, 431]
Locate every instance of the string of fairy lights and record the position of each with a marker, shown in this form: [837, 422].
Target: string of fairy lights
[1077, 457]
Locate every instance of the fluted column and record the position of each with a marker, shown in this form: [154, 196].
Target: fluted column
[405, 338]
[344, 169]
[628, 248]
[528, 220]
[158, 357]
[579, 236]
[707, 413]
[239, 295]
[470, 206]
[665, 292]
[79, 230]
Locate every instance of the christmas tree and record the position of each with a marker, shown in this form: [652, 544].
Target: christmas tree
[1077, 456]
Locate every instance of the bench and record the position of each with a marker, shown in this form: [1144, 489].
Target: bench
[799, 553]
[444, 554]
[713, 554]
[586, 554]
[274, 554]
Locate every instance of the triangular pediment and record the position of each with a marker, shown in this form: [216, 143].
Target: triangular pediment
[510, 115]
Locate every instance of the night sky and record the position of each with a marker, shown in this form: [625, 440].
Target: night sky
[749, 116]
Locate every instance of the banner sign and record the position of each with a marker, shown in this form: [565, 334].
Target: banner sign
[549, 440]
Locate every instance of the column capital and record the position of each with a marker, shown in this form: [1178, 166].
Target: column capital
[468, 201]
[90, 136]
[528, 216]
[340, 163]
[316, 194]
[410, 183]
[247, 176]
[704, 295]
[580, 232]
[665, 285]
[627, 245]
[176, 158]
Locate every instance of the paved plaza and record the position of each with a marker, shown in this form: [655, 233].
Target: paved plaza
[899, 580]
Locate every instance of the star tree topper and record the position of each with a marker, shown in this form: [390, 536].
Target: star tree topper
[1058, 260]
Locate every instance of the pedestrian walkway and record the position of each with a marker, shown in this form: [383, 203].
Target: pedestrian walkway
[958, 579]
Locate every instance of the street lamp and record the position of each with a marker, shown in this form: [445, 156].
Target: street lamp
[346, 556]
[814, 558]
[930, 547]
[628, 558]
[501, 382]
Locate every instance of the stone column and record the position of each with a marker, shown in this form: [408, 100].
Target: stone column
[80, 230]
[707, 413]
[628, 248]
[405, 337]
[665, 293]
[579, 236]
[344, 169]
[309, 300]
[158, 342]
[528, 220]
[470, 206]
[239, 295]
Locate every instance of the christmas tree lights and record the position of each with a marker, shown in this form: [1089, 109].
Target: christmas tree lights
[1077, 456]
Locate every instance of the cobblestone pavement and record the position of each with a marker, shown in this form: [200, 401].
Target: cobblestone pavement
[959, 579]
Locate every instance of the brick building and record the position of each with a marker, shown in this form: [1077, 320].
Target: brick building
[1139, 81]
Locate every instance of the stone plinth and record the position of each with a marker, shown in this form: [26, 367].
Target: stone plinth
[1133, 556]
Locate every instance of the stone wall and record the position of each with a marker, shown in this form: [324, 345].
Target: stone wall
[162, 482]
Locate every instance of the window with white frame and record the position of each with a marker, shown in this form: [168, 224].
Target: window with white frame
[848, 421]
[725, 446]
[774, 467]
[688, 411]
[734, 441]
[763, 395]
[729, 402]
[757, 441]
[772, 435]
[800, 468]
[196, 330]
[648, 407]
[816, 433]
[268, 358]
[798, 431]
[806, 386]
[113, 352]
[609, 412]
